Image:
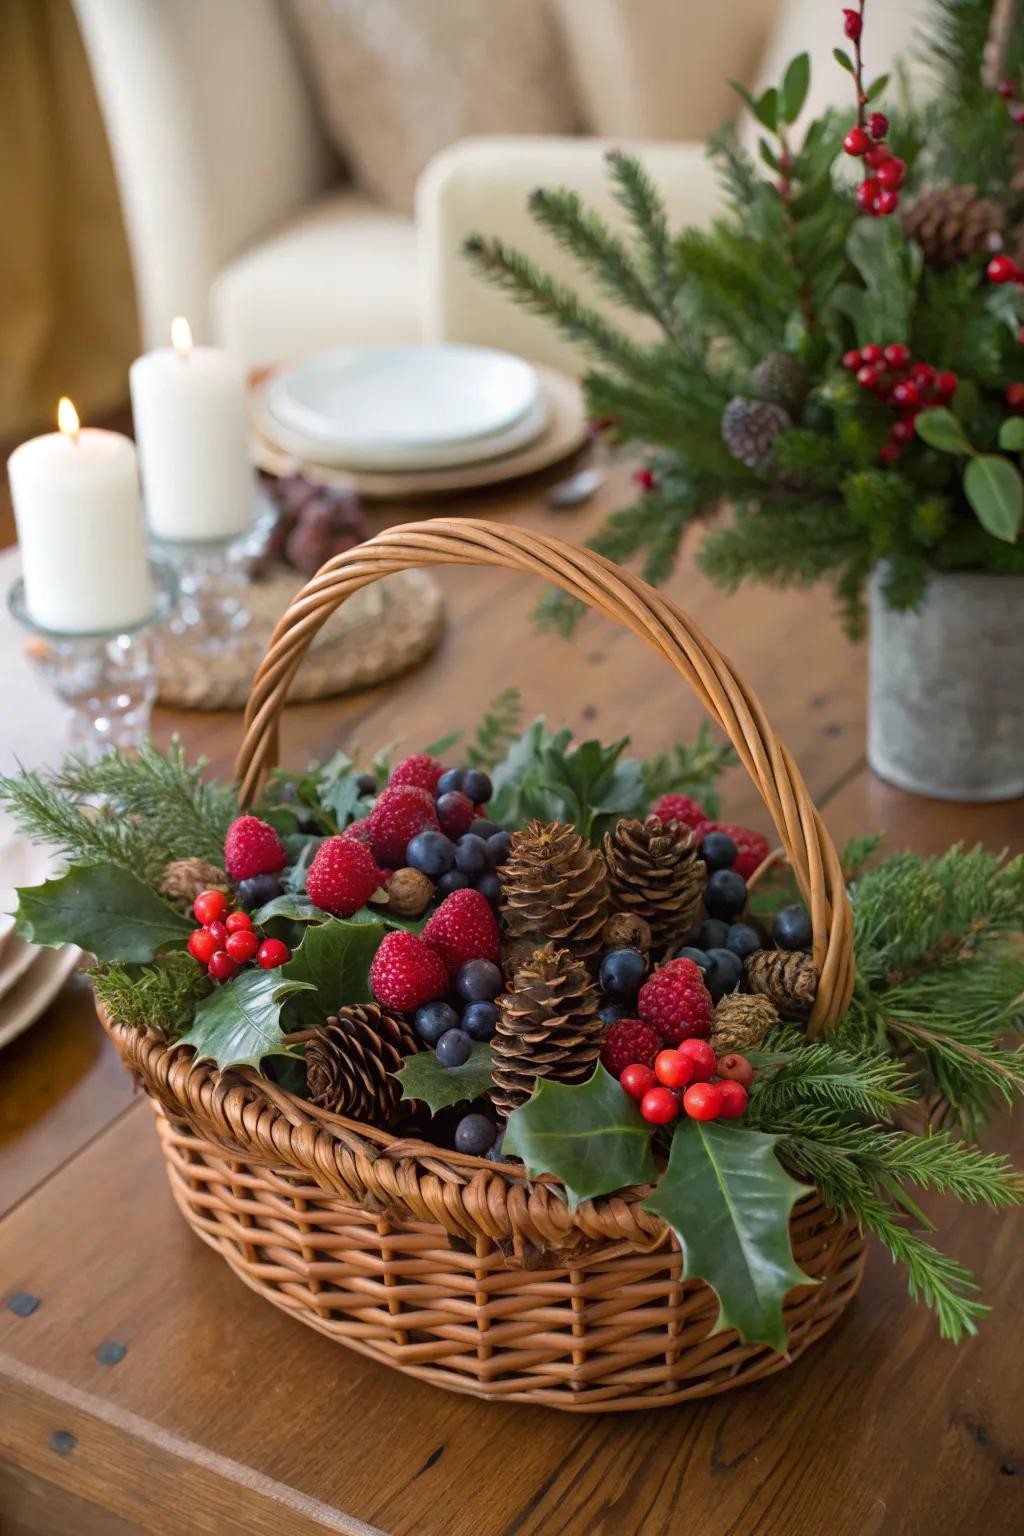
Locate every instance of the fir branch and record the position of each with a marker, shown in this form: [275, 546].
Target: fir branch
[825, 1076]
[161, 997]
[83, 835]
[637, 195]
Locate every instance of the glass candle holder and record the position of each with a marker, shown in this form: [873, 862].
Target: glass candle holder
[105, 679]
[212, 578]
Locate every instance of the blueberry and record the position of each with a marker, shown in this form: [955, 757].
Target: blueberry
[481, 827]
[288, 792]
[366, 785]
[477, 785]
[622, 972]
[479, 1020]
[449, 782]
[743, 940]
[258, 890]
[454, 880]
[478, 981]
[475, 1135]
[307, 822]
[430, 852]
[792, 928]
[489, 886]
[611, 1013]
[453, 1048]
[712, 934]
[472, 855]
[689, 952]
[433, 1020]
[499, 844]
[725, 895]
[724, 972]
[718, 851]
[493, 1153]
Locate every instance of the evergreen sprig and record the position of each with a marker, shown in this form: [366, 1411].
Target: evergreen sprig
[498, 728]
[161, 997]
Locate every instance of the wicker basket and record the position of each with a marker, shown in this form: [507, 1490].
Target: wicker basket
[453, 1269]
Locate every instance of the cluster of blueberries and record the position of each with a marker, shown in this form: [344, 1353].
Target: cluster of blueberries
[451, 1026]
[471, 859]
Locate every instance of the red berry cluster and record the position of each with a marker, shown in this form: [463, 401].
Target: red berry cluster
[751, 846]
[1003, 269]
[878, 193]
[226, 941]
[691, 1080]
[1007, 89]
[891, 374]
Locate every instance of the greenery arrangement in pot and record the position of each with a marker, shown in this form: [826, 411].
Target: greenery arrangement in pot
[840, 364]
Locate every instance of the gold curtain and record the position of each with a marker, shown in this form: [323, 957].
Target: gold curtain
[67, 307]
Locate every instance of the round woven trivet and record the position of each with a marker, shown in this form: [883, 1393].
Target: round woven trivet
[385, 630]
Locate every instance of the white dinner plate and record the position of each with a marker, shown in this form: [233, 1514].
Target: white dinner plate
[26, 1000]
[399, 399]
[15, 959]
[21, 863]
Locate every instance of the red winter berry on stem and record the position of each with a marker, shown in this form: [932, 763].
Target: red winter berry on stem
[464, 928]
[636, 1080]
[236, 920]
[202, 945]
[272, 953]
[422, 770]
[1002, 269]
[856, 142]
[852, 360]
[1007, 89]
[701, 1058]
[673, 1069]
[886, 202]
[645, 479]
[218, 933]
[906, 393]
[252, 847]
[703, 1101]
[208, 906]
[891, 172]
[889, 453]
[878, 125]
[865, 193]
[872, 353]
[406, 973]
[734, 1099]
[629, 1042]
[242, 945]
[897, 355]
[401, 811]
[343, 876]
[1015, 396]
[877, 155]
[675, 1000]
[221, 966]
[946, 383]
[659, 1106]
[853, 24]
[869, 377]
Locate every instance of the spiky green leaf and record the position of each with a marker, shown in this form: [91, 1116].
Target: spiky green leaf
[107, 911]
[240, 1024]
[423, 1077]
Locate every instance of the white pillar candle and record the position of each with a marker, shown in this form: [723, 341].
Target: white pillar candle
[80, 527]
[192, 432]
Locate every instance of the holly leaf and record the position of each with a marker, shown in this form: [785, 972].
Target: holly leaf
[940, 429]
[1011, 434]
[333, 960]
[994, 488]
[423, 1077]
[105, 910]
[290, 904]
[591, 1136]
[240, 1023]
[728, 1200]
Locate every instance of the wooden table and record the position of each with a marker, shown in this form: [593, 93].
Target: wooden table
[224, 1416]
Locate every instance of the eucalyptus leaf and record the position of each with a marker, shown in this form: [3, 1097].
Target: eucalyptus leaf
[104, 909]
[876, 88]
[1011, 434]
[940, 429]
[795, 85]
[766, 109]
[423, 1077]
[592, 1137]
[768, 155]
[240, 1023]
[994, 489]
[728, 1199]
[843, 59]
[333, 960]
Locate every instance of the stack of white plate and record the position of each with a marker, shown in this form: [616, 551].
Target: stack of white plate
[404, 410]
[30, 977]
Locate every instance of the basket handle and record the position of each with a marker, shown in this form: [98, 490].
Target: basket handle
[630, 602]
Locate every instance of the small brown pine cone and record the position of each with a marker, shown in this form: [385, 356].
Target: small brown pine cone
[788, 977]
[627, 930]
[750, 427]
[655, 873]
[554, 887]
[951, 224]
[741, 1022]
[183, 879]
[548, 1027]
[350, 1059]
[409, 892]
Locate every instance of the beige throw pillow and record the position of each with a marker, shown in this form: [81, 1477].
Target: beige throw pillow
[399, 80]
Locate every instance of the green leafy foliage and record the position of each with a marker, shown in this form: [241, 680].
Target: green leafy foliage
[239, 1024]
[996, 492]
[592, 1137]
[424, 1078]
[162, 997]
[728, 1200]
[333, 962]
[105, 910]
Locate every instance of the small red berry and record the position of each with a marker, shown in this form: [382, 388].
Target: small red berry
[219, 933]
[1007, 89]
[208, 906]
[1002, 269]
[891, 172]
[906, 393]
[852, 360]
[659, 1106]
[877, 155]
[878, 125]
[645, 479]
[922, 373]
[236, 920]
[703, 1101]
[853, 24]
[221, 966]
[872, 353]
[897, 355]
[673, 1069]
[946, 383]
[202, 945]
[637, 1080]
[886, 202]
[888, 453]
[737, 1068]
[242, 945]
[1018, 116]
[901, 431]
[1015, 396]
[701, 1058]
[856, 142]
[272, 953]
[865, 194]
[1020, 335]
[869, 376]
[734, 1099]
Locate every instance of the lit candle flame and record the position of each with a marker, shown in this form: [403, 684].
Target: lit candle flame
[181, 336]
[67, 418]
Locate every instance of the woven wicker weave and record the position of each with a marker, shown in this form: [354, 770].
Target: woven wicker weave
[451, 1268]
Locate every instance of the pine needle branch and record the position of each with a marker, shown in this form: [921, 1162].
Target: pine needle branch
[501, 724]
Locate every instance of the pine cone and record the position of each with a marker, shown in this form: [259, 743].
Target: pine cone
[749, 427]
[548, 1027]
[655, 872]
[183, 879]
[781, 380]
[952, 223]
[554, 886]
[788, 977]
[349, 1060]
[741, 1022]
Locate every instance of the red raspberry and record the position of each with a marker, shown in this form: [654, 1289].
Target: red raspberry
[680, 808]
[359, 831]
[675, 1000]
[253, 848]
[456, 813]
[406, 973]
[464, 928]
[343, 876]
[422, 770]
[751, 847]
[400, 812]
[629, 1041]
